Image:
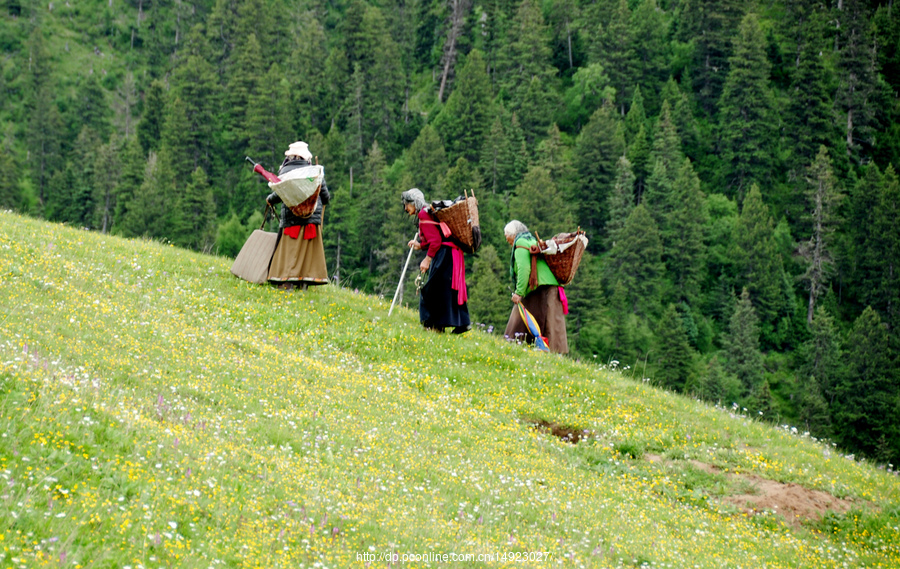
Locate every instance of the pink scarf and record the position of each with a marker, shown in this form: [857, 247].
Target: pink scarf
[458, 282]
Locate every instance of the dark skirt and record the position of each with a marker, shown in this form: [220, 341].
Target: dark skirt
[544, 304]
[299, 260]
[438, 306]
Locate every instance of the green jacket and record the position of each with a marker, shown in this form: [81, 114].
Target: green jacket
[520, 266]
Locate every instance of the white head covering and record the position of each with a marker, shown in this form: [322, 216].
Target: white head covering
[414, 196]
[300, 149]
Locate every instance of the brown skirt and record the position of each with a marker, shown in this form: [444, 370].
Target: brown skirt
[546, 307]
[299, 260]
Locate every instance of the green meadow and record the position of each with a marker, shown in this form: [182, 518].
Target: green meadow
[156, 411]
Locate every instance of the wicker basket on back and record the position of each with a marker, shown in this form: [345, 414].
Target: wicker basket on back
[462, 219]
[564, 264]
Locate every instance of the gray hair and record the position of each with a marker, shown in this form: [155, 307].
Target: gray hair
[415, 197]
[513, 228]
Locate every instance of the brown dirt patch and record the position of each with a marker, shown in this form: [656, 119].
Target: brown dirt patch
[795, 503]
[562, 432]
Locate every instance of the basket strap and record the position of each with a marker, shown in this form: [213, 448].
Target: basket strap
[445, 229]
[532, 278]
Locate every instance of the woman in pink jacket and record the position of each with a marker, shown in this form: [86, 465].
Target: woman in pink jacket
[443, 298]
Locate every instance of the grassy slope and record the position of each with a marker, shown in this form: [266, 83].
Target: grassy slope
[156, 411]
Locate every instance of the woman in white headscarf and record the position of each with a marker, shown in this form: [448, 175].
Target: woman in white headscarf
[299, 258]
[443, 300]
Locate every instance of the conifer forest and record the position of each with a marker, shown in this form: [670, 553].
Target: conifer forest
[733, 163]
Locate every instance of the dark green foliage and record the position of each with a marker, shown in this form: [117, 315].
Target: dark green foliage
[597, 149]
[465, 119]
[563, 113]
[747, 123]
[740, 345]
[635, 263]
[758, 264]
[489, 299]
[675, 356]
[866, 406]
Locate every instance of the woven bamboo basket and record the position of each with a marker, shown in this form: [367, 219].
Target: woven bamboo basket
[563, 265]
[307, 206]
[462, 219]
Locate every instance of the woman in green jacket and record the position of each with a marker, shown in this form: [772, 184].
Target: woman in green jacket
[537, 289]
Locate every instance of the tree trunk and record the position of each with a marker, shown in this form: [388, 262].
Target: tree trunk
[458, 9]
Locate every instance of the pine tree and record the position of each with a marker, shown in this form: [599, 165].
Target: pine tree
[614, 48]
[11, 196]
[820, 372]
[716, 385]
[858, 77]
[539, 204]
[685, 259]
[132, 175]
[635, 263]
[107, 173]
[538, 103]
[525, 56]
[865, 407]
[464, 120]
[193, 221]
[859, 256]
[597, 149]
[620, 203]
[649, 43]
[712, 27]
[245, 78]
[503, 155]
[44, 124]
[675, 361]
[747, 123]
[89, 109]
[754, 250]
[150, 125]
[461, 179]
[488, 291]
[823, 197]
[740, 346]
[268, 118]
[426, 161]
[887, 249]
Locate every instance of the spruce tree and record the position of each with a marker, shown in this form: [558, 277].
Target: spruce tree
[464, 121]
[133, 163]
[740, 346]
[887, 248]
[636, 264]
[747, 126]
[10, 193]
[820, 372]
[823, 197]
[426, 161]
[107, 173]
[194, 216]
[44, 128]
[759, 265]
[865, 407]
[525, 56]
[716, 385]
[712, 28]
[675, 360]
[597, 149]
[149, 127]
[461, 179]
[538, 203]
[685, 260]
[268, 119]
[489, 302]
[614, 48]
[649, 34]
[620, 203]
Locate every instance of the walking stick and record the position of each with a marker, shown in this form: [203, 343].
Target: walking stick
[400, 284]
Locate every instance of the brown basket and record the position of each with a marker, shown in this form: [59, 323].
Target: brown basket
[307, 206]
[462, 219]
[563, 265]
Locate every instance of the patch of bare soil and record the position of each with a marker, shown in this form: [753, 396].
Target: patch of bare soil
[793, 502]
[562, 432]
